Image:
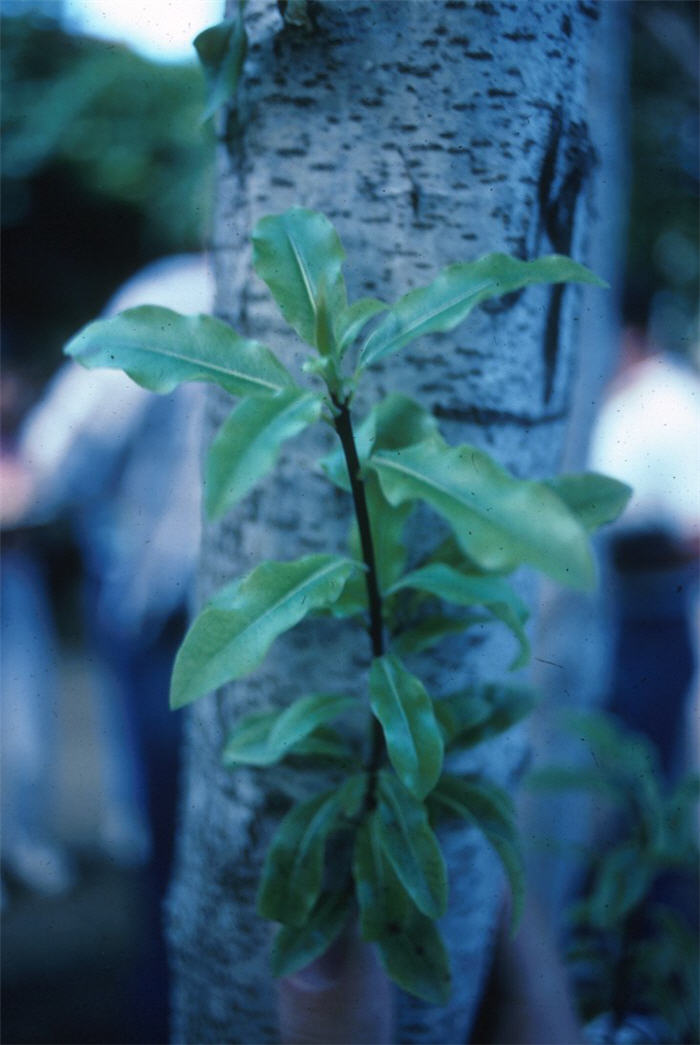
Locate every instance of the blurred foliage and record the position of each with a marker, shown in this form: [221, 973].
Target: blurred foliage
[663, 258]
[632, 940]
[106, 166]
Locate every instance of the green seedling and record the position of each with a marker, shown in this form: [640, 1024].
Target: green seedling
[393, 789]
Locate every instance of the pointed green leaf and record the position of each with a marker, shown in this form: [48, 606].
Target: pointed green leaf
[594, 499]
[405, 710]
[449, 299]
[295, 253]
[293, 869]
[411, 847]
[464, 590]
[248, 444]
[324, 338]
[325, 743]
[416, 959]
[352, 601]
[410, 947]
[221, 50]
[491, 810]
[479, 712]
[261, 739]
[159, 348]
[231, 635]
[353, 319]
[382, 900]
[451, 554]
[295, 948]
[498, 520]
[249, 743]
[304, 715]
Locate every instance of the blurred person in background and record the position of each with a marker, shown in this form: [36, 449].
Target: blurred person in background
[648, 434]
[28, 677]
[124, 466]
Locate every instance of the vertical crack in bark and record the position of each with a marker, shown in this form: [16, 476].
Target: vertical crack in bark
[568, 160]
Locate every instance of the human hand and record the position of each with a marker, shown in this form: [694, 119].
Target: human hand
[343, 997]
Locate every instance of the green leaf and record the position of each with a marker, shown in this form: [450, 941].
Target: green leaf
[353, 319]
[411, 847]
[248, 744]
[232, 634]
[449, 299]
[247, 445]
[159, 348]
[296, 253]
[352, 601]
[479, 712]
[304, 715]
[294, 948]
[449, 552]
[381, 898]
[222, 50]
[409, 944]
[293, 869]
[405, 710]
[395, 422]
[416, 959]
[263, 739]
[491, 810]
[433, 629]
[499, 521]
[594, 499]
[464, 590]
[325, 743]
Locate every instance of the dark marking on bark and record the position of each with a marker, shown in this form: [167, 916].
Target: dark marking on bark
[479, 56]
[520, 37]
[589, 10]
[566, 25]
[423, 72]
[313, 8]
[566, 165]
[486, 8]
[484, 416]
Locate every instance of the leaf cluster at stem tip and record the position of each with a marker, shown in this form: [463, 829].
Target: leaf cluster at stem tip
[394, 789]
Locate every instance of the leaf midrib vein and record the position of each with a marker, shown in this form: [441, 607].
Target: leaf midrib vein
[305, 276]
[387, 669]
[408, 331]
[207, 365]
[285, 598]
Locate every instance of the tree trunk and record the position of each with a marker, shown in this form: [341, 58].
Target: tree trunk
[428, 132]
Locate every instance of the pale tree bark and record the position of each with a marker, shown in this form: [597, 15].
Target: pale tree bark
[428, 132]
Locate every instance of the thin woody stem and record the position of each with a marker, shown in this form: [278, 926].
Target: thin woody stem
[343, 426]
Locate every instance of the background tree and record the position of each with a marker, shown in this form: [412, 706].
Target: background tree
[427, 132]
